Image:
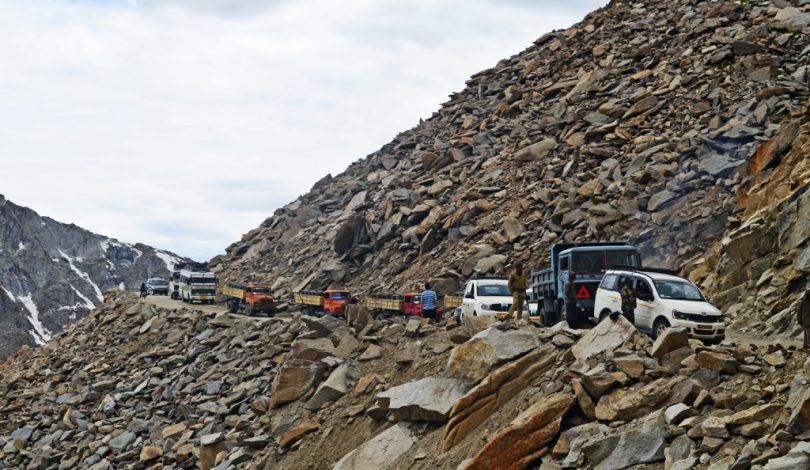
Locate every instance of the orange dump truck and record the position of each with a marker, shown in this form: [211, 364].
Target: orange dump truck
[332, 301]
[250, 298]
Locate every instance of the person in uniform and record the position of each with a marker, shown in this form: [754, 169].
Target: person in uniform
[517, 285]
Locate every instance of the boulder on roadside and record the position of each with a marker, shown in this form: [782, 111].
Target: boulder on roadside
[631, 403]
[673, 338]
[636, 444]
[312, 349]
[526, 437]
[335, 386]
[603, 338]
[294, 379]
[428, 399]
[379, 453]
[474, 359]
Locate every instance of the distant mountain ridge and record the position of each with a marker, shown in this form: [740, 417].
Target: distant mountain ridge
[52, 273]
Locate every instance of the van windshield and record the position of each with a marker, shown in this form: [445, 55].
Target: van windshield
[493, 290]
[676, 290]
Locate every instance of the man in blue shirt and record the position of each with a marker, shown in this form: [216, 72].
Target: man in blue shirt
[429, 303]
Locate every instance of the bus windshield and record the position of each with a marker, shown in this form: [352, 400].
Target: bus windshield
[202, 281]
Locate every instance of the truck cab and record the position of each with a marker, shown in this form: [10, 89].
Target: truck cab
[334, 301]
[412, 304]
[589, 261]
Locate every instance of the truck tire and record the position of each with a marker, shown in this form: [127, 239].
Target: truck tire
[232, 307]
[249, 310]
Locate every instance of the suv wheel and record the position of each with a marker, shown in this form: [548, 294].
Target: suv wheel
[659, 327]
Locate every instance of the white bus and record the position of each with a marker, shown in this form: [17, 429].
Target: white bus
[198, 286]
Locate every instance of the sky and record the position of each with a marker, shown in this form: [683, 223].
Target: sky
[183, 124]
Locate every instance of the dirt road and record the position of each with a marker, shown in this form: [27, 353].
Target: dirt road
[164, 301]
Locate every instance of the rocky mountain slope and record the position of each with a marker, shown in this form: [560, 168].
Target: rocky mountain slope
[646, 122]
[136, 386]
[52, 273]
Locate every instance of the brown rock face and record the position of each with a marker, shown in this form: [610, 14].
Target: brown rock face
[627, 404]
[526, 438]
[297, 433]
[494, 391]
[718, 361]
[295, 378]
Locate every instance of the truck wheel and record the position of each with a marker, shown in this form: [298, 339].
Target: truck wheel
[232, 307]
[249, 310]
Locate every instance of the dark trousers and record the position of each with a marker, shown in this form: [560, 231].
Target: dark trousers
[571, 315]
[430, 314]
[630, 315]
[806, 337]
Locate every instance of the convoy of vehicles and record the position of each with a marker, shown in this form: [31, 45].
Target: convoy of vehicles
[249, 298]
[589, 261]
[664, 299]
[486, 297]
[198, 286]
[157, 286]
[332, 302]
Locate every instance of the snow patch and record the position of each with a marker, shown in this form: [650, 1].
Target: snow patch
[87, 303]
[9, 294]
[82, 275]
[122, 286]
[170, 260]
[40, 333]
[21, 246]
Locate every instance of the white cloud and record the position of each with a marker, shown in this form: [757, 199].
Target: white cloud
[184, 124]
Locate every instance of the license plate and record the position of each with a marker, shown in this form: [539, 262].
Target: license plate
[704, 327]
[203, 297]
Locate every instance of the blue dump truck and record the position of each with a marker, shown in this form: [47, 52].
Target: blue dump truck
[589, 261]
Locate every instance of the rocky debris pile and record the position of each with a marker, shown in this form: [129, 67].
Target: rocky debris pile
[135, 386]
[639, 123]
[759, 271]
[53, 273]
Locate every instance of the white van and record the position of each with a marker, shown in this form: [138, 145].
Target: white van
[663, 299]
[486, 297]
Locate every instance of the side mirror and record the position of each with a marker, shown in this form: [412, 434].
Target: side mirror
[646, 297]
[468, 295]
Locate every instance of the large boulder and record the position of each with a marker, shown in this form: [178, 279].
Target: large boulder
[604, 338]
[639, 443]
[494, 391]
[338, 384]
[630, 403]
[474, 359]
[672, 339]
[294, 379]
[428, 399]
[526, 437]
[718, 361]
[312, 349]
[379, 453]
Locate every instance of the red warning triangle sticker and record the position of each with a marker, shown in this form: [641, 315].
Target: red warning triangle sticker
[583, 293]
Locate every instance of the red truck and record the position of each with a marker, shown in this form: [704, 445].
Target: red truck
[386, 305]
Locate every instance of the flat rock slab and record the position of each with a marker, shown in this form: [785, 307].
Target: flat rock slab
[604, 337]
[639, 444]
[380, 452]
[474, 359]
[428, 399]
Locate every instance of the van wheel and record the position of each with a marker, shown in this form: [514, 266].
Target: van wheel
[659, 327]
[605, 313]
[475, 314]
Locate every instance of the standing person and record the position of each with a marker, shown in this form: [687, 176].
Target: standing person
[628, 302]
[143, 289]
[429, 303]
[571, 301]
[517, 285]
[804, 319]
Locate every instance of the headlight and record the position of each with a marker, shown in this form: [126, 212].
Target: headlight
[483, 306]
[679, 315]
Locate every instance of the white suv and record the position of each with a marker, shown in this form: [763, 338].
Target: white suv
[663, 299]
[487, 297]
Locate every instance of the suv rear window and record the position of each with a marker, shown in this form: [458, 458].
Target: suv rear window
[610, 282]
